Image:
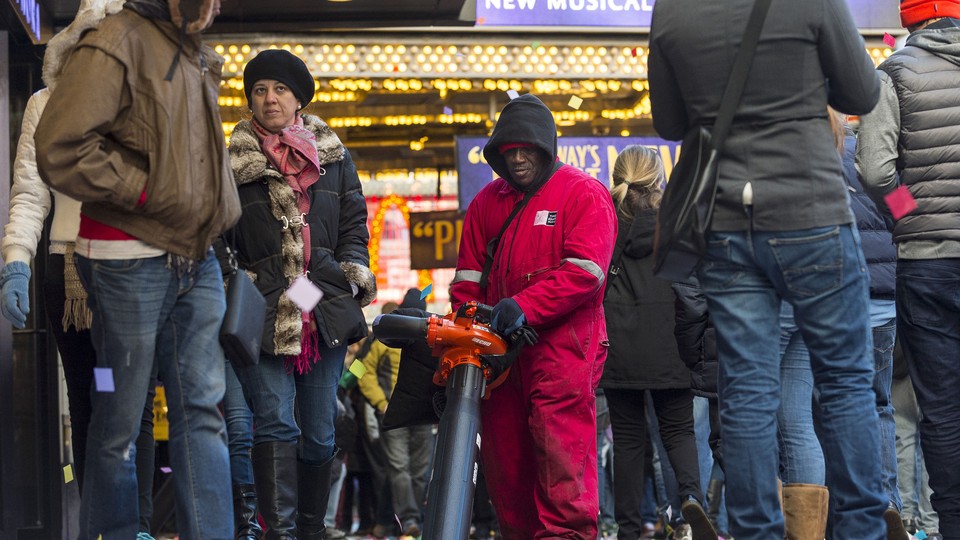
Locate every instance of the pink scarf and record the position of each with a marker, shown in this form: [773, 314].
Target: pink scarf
[293, 153]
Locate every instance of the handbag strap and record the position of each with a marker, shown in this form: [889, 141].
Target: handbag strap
[738, 76]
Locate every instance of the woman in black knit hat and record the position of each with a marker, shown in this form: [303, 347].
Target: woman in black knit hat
[304, 217]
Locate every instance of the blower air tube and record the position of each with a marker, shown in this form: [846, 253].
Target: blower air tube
[399, 330]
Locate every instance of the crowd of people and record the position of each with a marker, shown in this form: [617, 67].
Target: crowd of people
[784, 390]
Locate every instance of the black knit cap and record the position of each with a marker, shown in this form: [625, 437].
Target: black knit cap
[283, 66]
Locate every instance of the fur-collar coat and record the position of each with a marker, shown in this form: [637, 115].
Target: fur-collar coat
[339, 238]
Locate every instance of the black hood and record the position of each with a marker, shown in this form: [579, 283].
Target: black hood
[639, 238]
[524, 120]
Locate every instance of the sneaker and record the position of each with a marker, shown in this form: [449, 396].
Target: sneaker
[696, 518]
[411, 528]
[683, 532]
[332, 533]
[895, 529]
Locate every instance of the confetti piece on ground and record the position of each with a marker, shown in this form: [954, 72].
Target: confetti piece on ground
[358, 369]
[889, 40]
[304, 294]
[900, 202]
[68, 474]
[447, 110]
[426, 290]
[166, 470]
[575, 102]
[104, 378]
[513, 94]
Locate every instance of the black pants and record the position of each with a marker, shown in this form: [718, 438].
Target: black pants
[674, 410]
[79, 358]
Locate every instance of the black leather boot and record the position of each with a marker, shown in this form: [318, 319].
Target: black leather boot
[314, 482]
[245, 512]
[275, 474]
[714, 494]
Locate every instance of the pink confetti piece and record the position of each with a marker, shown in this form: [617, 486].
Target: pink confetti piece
[447, 110]
[481, 20]
[304, 293]
[889, 40]
[104, 379]
[900, 202]
[166, 470]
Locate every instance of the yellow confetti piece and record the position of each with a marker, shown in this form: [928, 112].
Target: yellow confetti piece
[358, 369]
[68, 474]
[575, 102]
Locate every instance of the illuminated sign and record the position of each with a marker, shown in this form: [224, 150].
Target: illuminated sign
[434, 239]
[867, 14]
[593, 155]
[30, 16]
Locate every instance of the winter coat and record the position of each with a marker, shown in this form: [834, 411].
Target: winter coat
[911, 139]
[780, 140]
[875, 239]
[640, 316]
[552, 258]
[128, 136]
[696, 338]
[267, 249]
[383, 365]
[30, 198]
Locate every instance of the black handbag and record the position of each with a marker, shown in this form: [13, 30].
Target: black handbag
[687, 206]
[242, 329]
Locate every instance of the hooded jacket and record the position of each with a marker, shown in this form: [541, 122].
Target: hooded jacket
[30, 198]
[338, 237]
[137, 132]
[553, 257]
[912, 138]
[640, 316]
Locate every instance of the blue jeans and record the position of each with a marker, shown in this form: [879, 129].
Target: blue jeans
[801, 458]
[822, 274]
[928, 319]
[701, 422]
[884, 337]
[239, 419]
[142, 311]
[286, 405]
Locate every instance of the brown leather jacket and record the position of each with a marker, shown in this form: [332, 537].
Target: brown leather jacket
[114, 128]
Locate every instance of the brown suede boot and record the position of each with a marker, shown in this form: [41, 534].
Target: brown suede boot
[805, 511]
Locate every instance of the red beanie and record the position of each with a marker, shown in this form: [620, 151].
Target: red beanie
[914, 12]
[506, 147]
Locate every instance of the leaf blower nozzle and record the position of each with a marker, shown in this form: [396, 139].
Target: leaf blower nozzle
[399, 330]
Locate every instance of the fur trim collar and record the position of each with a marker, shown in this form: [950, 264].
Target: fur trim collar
[250, 164]
[61, 45]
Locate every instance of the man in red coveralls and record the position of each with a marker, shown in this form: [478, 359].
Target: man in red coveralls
[547, 272]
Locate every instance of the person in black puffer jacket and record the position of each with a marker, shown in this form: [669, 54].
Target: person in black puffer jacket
[643, 352]
[304, 219]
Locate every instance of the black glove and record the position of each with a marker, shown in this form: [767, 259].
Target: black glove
[499, 363]
[507, 317]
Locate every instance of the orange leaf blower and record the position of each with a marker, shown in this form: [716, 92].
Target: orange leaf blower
[459, 340]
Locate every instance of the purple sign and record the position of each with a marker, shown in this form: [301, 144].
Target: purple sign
[867, 14]
[594, 155]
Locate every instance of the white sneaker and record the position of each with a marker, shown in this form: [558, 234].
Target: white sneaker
[683, 532]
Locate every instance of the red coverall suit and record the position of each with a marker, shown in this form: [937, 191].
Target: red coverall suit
[539, 428]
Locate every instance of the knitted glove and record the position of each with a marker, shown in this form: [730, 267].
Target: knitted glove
[14, 295]
[498, 363]
[507, 317]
